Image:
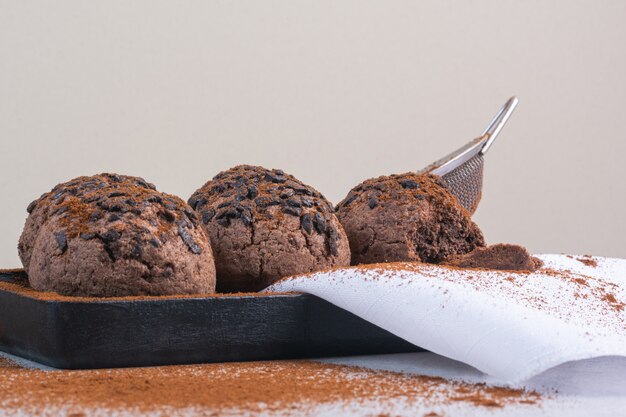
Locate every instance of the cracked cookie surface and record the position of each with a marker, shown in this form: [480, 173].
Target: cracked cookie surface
[264, 224]
[406, 217]
[113, 235]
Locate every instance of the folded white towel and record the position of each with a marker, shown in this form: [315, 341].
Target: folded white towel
[509, 325]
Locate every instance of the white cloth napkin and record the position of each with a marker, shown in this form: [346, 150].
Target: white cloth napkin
[509, 325]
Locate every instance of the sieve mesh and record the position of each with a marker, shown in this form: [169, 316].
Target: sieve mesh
[466, 182]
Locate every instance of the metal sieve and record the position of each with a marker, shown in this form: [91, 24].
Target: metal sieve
[462, 170]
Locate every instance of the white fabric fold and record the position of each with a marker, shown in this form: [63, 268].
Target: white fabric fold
[509, 325]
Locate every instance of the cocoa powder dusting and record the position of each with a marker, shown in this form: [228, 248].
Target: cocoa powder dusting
[18, 283]
[613, 302]
[244, 387]
[588, 260]
[7, 364]
[600, 292]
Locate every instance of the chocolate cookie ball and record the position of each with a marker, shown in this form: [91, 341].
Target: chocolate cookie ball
[113, 235]
[264, 225]
[406, 217]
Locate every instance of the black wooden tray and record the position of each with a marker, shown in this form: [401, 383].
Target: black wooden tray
[100, 333]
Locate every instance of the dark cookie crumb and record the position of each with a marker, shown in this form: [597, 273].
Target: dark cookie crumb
[188, 239]
[31, 207]
[287, 193]
[332, 241]
[87, 236]
[349, 200]
[306, 223]
[409, 184]
[110, 236]
[61, 240]
[207, 215]
[320, 223]
[292, 211]
[137, 251]
[502, 256]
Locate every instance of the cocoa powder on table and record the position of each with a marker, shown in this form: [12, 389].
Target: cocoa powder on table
[244, 387]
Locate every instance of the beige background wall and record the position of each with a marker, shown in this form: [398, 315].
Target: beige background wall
[331, 91]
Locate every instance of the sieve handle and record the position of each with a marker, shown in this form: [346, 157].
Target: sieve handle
[478, 146]
[498, 122]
